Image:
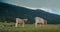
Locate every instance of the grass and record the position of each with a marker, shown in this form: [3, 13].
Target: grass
[9, 27]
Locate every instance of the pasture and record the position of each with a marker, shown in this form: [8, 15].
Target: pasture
[10, 27]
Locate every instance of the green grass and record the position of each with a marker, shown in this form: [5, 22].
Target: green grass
[9, 27]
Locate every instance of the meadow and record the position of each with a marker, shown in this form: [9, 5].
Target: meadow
[10, 27]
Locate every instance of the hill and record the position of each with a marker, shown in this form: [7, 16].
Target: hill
[9, 12]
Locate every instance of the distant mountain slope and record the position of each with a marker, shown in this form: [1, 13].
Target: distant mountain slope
[9, 12]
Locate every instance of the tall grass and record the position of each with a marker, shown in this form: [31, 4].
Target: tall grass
[10, 27]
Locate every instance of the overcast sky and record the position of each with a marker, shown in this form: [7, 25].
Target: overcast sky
[44, 4]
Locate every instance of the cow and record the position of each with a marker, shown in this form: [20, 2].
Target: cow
[40, 20]
[21, 21]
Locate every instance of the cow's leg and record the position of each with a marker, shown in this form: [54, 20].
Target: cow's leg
[43, 24]
[46, 22]
[36, 24]
[16, 25]
[23, 24]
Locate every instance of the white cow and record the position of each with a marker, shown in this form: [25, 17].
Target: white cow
[21, 21]
[39, 20]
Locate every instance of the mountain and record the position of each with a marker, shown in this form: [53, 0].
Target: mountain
[9, 12]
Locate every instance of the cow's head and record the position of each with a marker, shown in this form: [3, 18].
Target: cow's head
[25, 19]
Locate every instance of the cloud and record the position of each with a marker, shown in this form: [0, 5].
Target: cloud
[46, 9]
[31, 8]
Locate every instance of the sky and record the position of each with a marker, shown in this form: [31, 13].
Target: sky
[52, 6]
